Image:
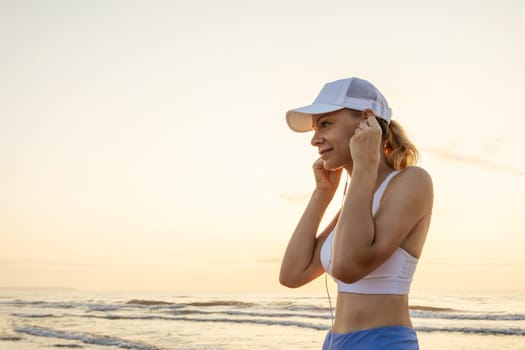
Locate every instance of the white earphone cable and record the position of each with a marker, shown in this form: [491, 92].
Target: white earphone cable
[331, 310]
[326, 282]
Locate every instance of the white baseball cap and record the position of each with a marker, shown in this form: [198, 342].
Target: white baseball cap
[353, 93]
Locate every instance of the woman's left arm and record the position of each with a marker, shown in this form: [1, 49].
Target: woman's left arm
[363, 242]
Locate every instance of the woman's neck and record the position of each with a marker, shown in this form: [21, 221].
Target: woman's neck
[383, 170]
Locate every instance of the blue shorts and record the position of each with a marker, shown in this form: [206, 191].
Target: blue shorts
[391, 338]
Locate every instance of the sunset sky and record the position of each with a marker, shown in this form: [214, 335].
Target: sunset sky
[143, 144]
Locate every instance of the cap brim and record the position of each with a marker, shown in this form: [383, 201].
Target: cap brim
[300, 119]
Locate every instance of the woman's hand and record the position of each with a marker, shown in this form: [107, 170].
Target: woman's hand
[365, 145]
[326, 181]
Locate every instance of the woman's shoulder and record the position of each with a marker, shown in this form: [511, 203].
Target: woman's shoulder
[415, 172]
[413, 177]
[411, 188]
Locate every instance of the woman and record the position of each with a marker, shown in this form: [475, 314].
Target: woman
[372, 246]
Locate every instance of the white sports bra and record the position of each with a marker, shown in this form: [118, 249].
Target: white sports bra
[394, 276]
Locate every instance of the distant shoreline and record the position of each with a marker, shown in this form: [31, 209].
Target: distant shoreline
[39, 288]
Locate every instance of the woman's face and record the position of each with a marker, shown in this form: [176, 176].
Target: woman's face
[332, 133]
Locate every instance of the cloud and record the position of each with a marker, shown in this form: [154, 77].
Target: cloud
[474, 160]
[46, 263]
[294, 198]
[270, 261]
[245, 264]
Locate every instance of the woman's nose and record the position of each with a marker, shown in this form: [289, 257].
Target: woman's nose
[316, 139]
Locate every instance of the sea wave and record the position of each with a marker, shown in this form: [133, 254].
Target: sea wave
[25, 315]
[472, 317]
[176, 313]
[85, 338]
[110, 314]
[322, 325]
[9, 338]
[234, 303]
[47, 304]
[276, 312]
[148, 302]
[431, 308]
[474, 330]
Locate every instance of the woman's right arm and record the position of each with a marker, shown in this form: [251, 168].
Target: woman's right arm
[301, 262]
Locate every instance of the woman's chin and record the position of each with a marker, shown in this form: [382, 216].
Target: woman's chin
[329, 166]
[333, 166]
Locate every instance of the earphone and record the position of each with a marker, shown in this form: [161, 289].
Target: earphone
[326, 282]
[331, 311]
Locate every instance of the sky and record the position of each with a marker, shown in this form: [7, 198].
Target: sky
[143, 144]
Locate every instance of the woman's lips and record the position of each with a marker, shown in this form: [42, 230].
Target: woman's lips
[324, 153]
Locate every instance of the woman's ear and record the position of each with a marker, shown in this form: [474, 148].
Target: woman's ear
[384, 127]
[367, 113]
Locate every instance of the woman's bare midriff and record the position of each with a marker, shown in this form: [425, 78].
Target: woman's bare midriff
[356, 312]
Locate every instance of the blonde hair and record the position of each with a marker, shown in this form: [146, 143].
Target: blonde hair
[400, 152]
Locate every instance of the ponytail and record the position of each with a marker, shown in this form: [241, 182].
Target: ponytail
[400, 152]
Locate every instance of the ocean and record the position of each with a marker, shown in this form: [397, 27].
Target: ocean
[72, 319]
